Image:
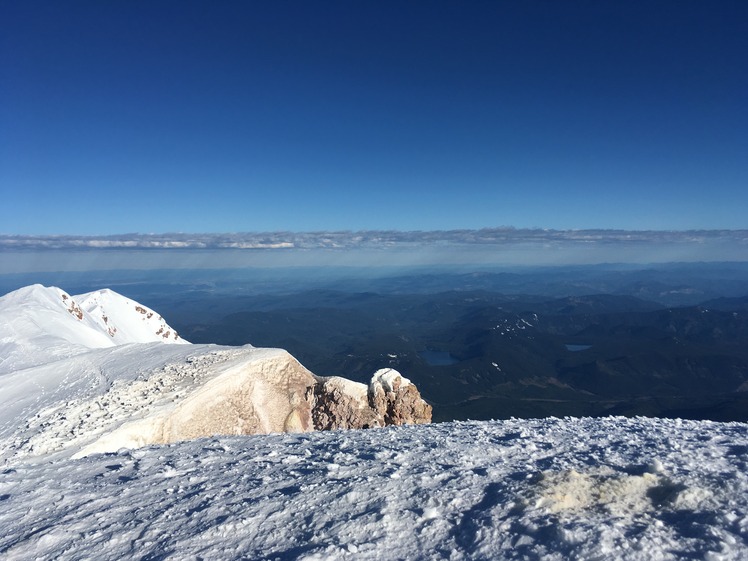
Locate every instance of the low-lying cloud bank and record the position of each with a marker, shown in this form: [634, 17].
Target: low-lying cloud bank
[370, 239]
[370, 249]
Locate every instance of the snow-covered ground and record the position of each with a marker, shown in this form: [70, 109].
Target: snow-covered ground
[637, 489]
[133, 394]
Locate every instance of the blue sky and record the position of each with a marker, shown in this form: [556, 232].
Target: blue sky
[189, 116]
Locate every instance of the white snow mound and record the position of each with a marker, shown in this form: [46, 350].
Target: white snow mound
[140, 394]
[390, 379]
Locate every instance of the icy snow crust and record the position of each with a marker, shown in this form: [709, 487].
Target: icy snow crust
[627, 489]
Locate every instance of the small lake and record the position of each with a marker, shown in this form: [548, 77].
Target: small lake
[577, 348]
[438, 358]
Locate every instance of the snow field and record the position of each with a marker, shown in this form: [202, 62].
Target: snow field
[586, 489]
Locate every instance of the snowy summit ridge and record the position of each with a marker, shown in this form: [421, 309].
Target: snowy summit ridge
[41, 324]
[94, 373]
[124, 320]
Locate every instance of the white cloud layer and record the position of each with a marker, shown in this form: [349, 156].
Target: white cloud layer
[370, 239]
[372, 248]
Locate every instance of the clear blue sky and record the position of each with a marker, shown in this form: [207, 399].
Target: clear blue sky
[150, 116]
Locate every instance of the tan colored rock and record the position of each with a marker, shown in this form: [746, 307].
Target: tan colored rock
[397, 400]
[390, 399]
[338, 403]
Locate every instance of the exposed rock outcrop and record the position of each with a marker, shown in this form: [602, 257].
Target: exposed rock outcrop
[389, 399]
[397, 400]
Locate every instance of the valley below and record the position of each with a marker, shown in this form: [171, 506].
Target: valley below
[479, 353]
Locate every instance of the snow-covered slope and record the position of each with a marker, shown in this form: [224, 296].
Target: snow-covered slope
[92, 373]
[550, 490]
[39, 324]
[125, 320]
[80, 377]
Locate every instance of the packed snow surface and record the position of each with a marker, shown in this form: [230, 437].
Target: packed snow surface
[595, 489]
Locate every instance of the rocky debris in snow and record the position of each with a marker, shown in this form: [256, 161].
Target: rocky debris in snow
[74, 309]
